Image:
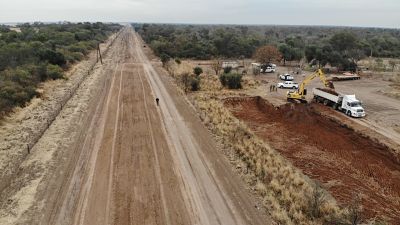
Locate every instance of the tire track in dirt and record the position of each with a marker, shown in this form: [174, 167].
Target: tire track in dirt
[206, 196]
[80, 182]
[75, 182]
[157, 166]
[111, 172]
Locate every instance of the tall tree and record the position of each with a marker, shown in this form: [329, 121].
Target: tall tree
[267, 54]
[290, 53]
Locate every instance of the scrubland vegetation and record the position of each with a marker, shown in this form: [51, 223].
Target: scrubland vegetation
[339, 46]
[40, 52]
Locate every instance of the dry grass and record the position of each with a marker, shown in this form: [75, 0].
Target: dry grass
[289, 195]
[394, 89]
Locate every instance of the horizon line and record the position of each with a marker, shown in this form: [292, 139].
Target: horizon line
[194, 23]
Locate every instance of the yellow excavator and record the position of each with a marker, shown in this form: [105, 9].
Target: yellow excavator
[300, 94]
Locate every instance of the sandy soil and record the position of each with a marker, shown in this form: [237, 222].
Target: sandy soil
[346, 162]
[113, 156]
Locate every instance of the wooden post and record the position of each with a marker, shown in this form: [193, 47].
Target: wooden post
[99, 52]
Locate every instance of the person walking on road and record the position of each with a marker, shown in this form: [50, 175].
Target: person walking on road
[157, 100]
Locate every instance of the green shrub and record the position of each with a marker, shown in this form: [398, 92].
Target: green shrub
[79, 47]
[189, 82]
[77, 56]
[195, 84]
[53, 57]
[164, 58]
[72, 57]
[14, 94]
[227, 69]
[232, 81]
[197, 70]
[39, 53]
[54, 72]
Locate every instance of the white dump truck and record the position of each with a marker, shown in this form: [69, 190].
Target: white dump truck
[347, 104]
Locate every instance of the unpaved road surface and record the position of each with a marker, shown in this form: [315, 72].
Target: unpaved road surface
[345, 162]
[138, 163]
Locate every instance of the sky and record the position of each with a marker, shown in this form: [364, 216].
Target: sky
[361, 13]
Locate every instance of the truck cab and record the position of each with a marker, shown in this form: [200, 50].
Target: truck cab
[352, 106]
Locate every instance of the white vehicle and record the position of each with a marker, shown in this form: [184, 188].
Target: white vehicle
[288, 84]
[268, 68]
[232, 64]
[286, 77]
[348, 104]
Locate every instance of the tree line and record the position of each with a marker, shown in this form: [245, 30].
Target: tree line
[339, 46]
[37, 52]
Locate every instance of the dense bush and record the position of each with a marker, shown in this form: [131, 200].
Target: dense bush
[54, 72]
[227, 69]
[195, 83]
[40, 52]
[231, 80]
[190, 82]
[339, 46]
[197, 70]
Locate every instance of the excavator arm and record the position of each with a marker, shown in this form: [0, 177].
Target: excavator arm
[300, 93]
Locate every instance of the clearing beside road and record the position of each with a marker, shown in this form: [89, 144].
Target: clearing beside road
[356, 160]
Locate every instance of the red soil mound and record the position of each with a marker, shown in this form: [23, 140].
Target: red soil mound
[346, 162]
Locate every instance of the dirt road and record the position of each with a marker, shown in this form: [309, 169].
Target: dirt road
[140, 163]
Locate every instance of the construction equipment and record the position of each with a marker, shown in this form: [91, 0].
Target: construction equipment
[347, 104]
[301, 92]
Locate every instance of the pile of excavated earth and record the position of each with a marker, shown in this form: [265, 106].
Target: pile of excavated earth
[347, 163]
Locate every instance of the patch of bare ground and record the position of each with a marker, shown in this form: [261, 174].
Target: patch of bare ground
[346, 162]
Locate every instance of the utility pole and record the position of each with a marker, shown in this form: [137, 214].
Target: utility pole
[99, 54]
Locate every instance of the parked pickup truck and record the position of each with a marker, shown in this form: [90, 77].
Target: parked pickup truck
[288, 84]
[268, 68]
[286, 77]
[347, 104]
